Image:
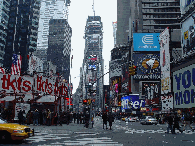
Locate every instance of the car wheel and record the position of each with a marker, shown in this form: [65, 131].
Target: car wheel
[5, 136]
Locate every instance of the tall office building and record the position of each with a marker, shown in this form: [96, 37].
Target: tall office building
[59, 46]
[114, 24]
[22, 31]
[93, 61]
[4, 17]
[50, 9]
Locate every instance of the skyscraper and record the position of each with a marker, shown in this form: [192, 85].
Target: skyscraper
[22, 31]
[93, 61]
[59, 45]
[50, 9]
[4, 17]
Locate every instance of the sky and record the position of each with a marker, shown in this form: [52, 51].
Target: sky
[79, 10]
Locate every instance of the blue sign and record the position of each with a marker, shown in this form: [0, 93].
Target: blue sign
[146, 41]
[132, 101]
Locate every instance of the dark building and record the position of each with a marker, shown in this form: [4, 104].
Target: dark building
[22, 31]
[59, 46]
[4, 12]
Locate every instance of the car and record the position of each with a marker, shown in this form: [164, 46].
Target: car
[148, 120]
[131, 119]
[123, 118]
[14, 131]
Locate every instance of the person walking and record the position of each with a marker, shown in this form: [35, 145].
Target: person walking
[28, 117]
[55, 119]
[77, 116]
[87, 117]
[187, 121]
[48, 118]
[68, 118]
[110, 119]
[170, 123]
[35, 117]
[176, 124]
[44, 114]
[20, 117]
[74, 116]
[105, 118]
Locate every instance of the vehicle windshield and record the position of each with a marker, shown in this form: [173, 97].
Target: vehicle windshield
[2, 121]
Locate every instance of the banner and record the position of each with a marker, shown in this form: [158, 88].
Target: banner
[167, 103]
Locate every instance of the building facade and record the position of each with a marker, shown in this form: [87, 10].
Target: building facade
[59, 46]
[22, 31]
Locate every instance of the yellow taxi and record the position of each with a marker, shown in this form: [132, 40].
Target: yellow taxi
[123, 119]
[12, 131]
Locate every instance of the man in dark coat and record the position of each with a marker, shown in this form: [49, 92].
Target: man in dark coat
[105, 118]
[110, 119]
[74, 116]
[20, 117]
[176, 124]
[77, 118]
[35, 117]
[170, 123]
[87, 117]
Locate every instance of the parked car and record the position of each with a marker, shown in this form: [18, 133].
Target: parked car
[148, 120]
[12, 131]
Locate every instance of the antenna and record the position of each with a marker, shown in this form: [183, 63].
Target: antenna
[93, 8]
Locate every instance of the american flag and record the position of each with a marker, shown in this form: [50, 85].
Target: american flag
[16, 64]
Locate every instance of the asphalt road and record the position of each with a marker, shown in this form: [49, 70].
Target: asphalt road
[122, 134]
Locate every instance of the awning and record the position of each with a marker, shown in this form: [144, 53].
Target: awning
[48, 98]
[8, 98]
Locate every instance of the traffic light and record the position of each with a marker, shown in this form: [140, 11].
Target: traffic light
[131, 70]
[134, 70]
[85, 101]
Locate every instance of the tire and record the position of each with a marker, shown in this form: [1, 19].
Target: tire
[5, 136]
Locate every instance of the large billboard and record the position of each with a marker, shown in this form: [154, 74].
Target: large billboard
[165, 62]
[146, 41]
[184, 87]
[148, 66]
[132, 102]
[188, 35]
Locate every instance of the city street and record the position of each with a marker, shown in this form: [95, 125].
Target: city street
[122, 134]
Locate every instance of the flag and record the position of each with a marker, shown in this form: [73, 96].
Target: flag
[2, 70]
[16, 64]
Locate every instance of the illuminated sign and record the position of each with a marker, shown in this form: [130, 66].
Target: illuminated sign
[146, 42]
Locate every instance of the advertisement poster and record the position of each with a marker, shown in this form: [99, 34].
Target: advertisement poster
[21, 106]
[188, 35]
[183, 87]
[132, 102]
[146, 41]
[167, 103]
[165, 62]
[148, 66]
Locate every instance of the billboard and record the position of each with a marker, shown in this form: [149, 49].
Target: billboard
[167, 103]
[146, 41]
[132, 101]
[165, 62]
[148, 66]
[183, 87]
[188, 35]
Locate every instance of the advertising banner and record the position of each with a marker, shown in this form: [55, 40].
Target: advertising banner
[148, 66]
[21, 106]
[188, 35]
[132, 102]
[167, 103]
[184, 87]
[165, 62]
[40, 84]
[146, 41]
[150, 91]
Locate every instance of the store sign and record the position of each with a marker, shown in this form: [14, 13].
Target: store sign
[132, 101]
[167, 102]
[146, 41]
[188, 35]
[184, 87]
[14, 83]
[148, 66]
[165, 62]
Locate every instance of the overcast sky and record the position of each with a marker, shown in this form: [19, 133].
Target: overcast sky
[79, 10]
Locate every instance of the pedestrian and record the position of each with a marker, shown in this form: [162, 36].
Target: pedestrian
[55, 118]
[28, 117]
[35, 117]
[68, 118]
[105, 118]
[170, 123]
[87, 117]
[48, 117]
[176, 124]
[110, 119]
[20, 117]
[187, 121]
[77, 116]
[92, 120]
[24, 117]
[44, 114]
[74, 116]
[40, 117]
[80, 118]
